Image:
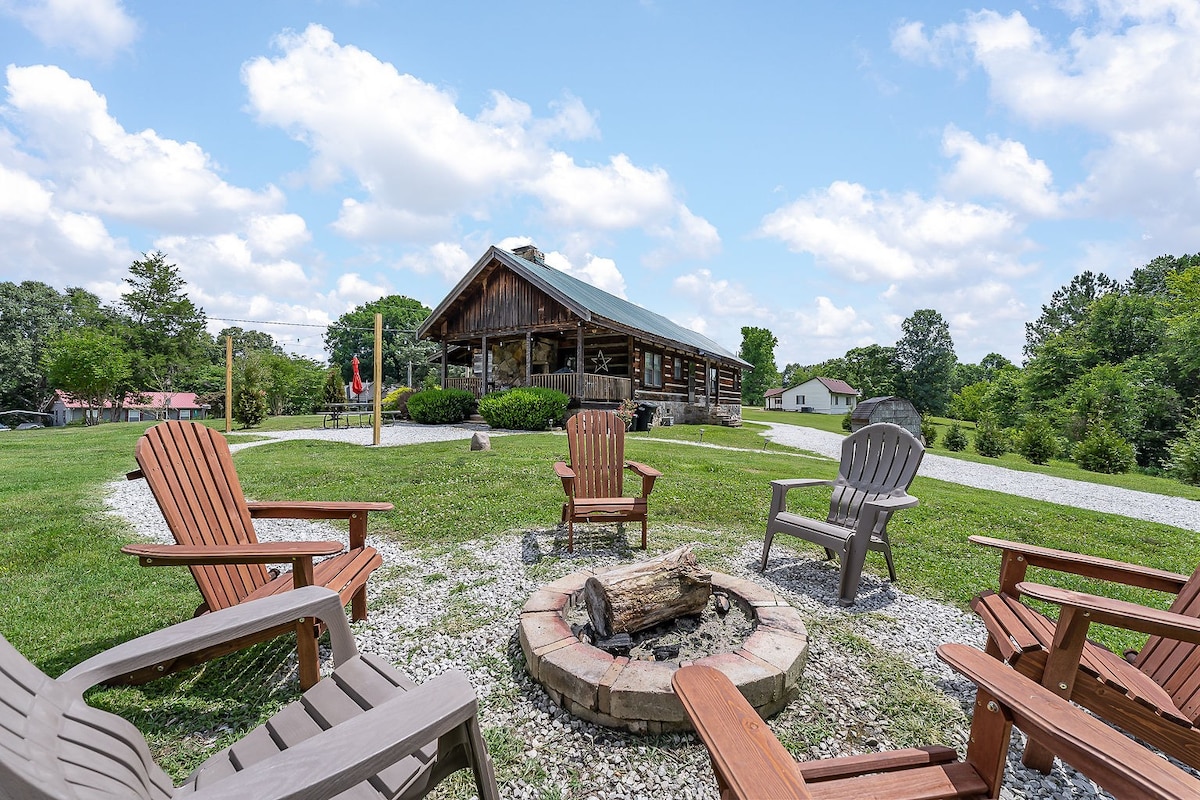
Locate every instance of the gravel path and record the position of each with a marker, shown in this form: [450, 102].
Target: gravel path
[1177, 511]
[461, 610]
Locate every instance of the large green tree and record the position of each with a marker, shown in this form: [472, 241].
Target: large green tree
[872, 369]
[88, 364]
[758, 348]
[925, 353]
[1067, 307]
[354, 335]
[31, 315]
[165, 329]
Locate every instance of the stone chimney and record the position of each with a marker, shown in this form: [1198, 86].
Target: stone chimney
[530, 252]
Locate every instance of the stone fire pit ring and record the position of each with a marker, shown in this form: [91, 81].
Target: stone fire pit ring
[636, 696]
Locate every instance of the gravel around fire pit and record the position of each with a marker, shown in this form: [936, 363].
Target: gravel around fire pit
[459, 610]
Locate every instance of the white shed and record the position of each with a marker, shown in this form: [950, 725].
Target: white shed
[817, 396]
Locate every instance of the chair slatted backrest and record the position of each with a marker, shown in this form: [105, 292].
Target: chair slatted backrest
[1173, 664]
[597, 443]
[877, 460]
[54, 746]
[191, 473]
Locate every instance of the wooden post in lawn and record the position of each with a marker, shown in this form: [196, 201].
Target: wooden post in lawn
[378, 381]
[228, 384]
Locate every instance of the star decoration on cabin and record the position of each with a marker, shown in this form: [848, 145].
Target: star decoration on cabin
[600, 361]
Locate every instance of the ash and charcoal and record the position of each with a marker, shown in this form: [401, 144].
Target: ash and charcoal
[722, 627]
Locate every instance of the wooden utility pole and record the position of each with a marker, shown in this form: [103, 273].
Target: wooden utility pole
[378, 382]
[228, 384]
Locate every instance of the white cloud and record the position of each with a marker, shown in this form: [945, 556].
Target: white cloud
[448, 259]
[878, 236]
[1130, 73]
[276, 234]
[230, 259]
[420, 162]
[599, 272]
[999, 168]
[93, 28]
[97, 167]
[720, 297]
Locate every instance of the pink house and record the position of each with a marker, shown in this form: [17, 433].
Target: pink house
[148, 406]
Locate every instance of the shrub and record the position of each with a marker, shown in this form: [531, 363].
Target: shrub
[397, 400]
[928, 430]
[1103, 450]
[440, 406]
[990, 438]
[846, 421]
[1185, 456]
[527, 408]
[956, 440]
[626, 411]
[335, 388]
[1036, 442]
[250, 406]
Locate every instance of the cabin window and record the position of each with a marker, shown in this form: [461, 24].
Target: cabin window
[677, 369]
[652, 375]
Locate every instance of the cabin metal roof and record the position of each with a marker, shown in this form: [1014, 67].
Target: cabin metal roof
[588, 302]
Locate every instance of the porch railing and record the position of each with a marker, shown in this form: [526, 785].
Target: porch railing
[593, 387]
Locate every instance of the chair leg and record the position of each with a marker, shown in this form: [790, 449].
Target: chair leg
[829, 554]
[887, 556]
[306, 652]
[358, 604]
[570, 535]
[645, 523]
[852, 567]
[766, 550]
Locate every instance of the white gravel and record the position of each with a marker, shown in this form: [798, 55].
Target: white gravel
[431, 613]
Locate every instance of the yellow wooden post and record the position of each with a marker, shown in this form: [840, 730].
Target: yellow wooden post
[378, 382]
[228, 384]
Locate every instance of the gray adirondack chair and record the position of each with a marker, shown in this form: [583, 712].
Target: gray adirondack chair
[366, 731]
[878, 465]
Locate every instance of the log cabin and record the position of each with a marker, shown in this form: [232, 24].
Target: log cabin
[514, 320]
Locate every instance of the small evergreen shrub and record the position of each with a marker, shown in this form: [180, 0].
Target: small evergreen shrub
[334, 390]
[250, 406]
[397, 400]
[990, 438]
[1036, 442]
[956, 440]
[1103, 450]
[928, 430]
[846, 421]
[440, 406]
[1185, 456]
[527, 408]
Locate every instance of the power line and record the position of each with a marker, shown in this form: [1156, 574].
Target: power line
[311, 325]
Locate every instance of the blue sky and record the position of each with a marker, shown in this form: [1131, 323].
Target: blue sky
[821, 170]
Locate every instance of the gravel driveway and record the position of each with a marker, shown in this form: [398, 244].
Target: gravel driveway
[1177, 511]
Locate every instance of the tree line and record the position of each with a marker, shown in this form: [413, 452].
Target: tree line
[1110, 376]
[155, 339]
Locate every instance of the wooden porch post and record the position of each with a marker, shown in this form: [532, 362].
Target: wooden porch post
[579, 361]
[485, 366]
[528, 358]
[444, 366]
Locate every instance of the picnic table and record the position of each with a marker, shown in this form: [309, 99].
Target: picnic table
[340, 415]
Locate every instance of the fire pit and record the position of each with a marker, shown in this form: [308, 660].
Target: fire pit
[634, 693]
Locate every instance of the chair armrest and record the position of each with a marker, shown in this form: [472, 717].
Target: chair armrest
[1018, 555]
[747, 758]
[349, 753]
[567, 476]
[312, 509]
[220, 626]
[1118, 613]
[162, 555]
[648, 475]
[787, 484]
[1108, 757]
[893, 502]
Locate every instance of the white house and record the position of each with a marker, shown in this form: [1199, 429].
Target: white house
[816, 395]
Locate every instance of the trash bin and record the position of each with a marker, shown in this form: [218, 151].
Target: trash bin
[641, 420]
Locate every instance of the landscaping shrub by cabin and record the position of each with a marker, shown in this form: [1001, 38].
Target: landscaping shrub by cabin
[990, 439]
[526, 408]
[956, 440]
[1036, 442]
[440, 406]
[1103, 450]
[397, 400]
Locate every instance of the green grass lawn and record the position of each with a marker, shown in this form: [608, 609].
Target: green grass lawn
[68, 593]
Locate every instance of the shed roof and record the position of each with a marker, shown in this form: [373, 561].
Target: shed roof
[587, 302]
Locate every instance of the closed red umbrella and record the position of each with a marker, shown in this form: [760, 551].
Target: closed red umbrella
[356, 384]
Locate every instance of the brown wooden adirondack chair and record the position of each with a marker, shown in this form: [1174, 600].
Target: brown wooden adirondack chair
[1153, 694]
[594, 480]
[878, 465]
[751, 764]
[191, 474]
[367, 730]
